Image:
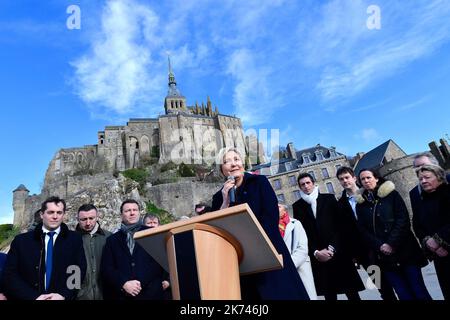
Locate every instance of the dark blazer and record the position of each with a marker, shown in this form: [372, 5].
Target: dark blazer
[431, 214]
[283, 284]
[2, 264]
[119, 266]
[339, 274]
[386, 220]
[351, 238]
[25, 267]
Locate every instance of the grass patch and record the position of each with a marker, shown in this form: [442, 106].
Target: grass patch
[7, 234]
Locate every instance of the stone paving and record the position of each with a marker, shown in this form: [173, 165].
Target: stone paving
[430, 278]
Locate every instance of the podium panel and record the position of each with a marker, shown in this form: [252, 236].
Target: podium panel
[206, 254]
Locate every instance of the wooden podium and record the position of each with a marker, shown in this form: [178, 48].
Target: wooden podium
[205, 255]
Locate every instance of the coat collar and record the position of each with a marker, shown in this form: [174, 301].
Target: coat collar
[100, 231]
[383, 191]
[38, 231]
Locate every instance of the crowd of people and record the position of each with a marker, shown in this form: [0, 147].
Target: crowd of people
[322, 244]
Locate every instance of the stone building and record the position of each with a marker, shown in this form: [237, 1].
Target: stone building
[184, 134]
[321, 162]
[189, 134]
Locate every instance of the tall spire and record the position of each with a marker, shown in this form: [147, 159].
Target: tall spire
[171, 75]
[173, 90]
[174, 102]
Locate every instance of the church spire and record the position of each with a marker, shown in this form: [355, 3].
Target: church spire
[171, 75]
[173, 90]
[174, 102]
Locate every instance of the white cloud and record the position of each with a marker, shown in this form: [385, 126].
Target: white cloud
[254, 99]
[351, 58]
[414, 104]
[267, 54]
[368, 135]
[118, 72]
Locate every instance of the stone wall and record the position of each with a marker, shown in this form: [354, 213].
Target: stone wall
[401, 173]
[180, 198]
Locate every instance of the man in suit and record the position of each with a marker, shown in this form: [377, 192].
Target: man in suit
[2, 264]
[47, 263]
[128, 271]
[331, 262]
[352, 239]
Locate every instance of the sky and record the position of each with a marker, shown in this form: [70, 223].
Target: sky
[345, 73]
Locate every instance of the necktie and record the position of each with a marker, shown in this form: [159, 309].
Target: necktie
[49, 259]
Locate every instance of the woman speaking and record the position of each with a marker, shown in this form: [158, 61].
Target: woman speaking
[241, 187]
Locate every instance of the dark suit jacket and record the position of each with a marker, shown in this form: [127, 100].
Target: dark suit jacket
[337, 275]
[431, 213]
[284, 284]
[352, 240]
[2, 264]
[25, 266]
[119, 266]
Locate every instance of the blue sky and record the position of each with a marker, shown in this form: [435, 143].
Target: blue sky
[312, 69]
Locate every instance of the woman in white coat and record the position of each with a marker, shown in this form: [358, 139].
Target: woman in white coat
[297, 242]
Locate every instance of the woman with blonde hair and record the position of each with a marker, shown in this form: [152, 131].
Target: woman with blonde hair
[255, 190]
[431, 221]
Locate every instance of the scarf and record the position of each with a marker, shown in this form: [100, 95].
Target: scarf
[129, 230]
[311, 199]
[282, 223]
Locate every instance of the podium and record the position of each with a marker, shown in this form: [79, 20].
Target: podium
[205, 255]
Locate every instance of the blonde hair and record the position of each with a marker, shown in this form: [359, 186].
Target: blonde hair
[221, 155]
[436, 170]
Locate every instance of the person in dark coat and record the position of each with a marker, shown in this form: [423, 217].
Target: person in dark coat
[385, 226]
[352, 238]
[256, 191]
[128, 271]
[94, 239]
[420, 160]
[2, 264]
[431, 221]
[30, 275]
[333, 269]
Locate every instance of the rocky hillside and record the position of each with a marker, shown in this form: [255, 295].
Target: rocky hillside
[170, 188]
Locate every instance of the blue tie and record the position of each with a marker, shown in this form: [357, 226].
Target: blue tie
[49, 261]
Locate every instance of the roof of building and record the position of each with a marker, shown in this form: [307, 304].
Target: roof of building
[300, 161]
[374, 157]
[21, 188]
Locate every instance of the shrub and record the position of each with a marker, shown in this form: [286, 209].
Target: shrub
[168, 166]
[186, 170]
[7, 234]
[138, 175]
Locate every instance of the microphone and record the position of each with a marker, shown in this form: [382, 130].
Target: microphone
[232, 192]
